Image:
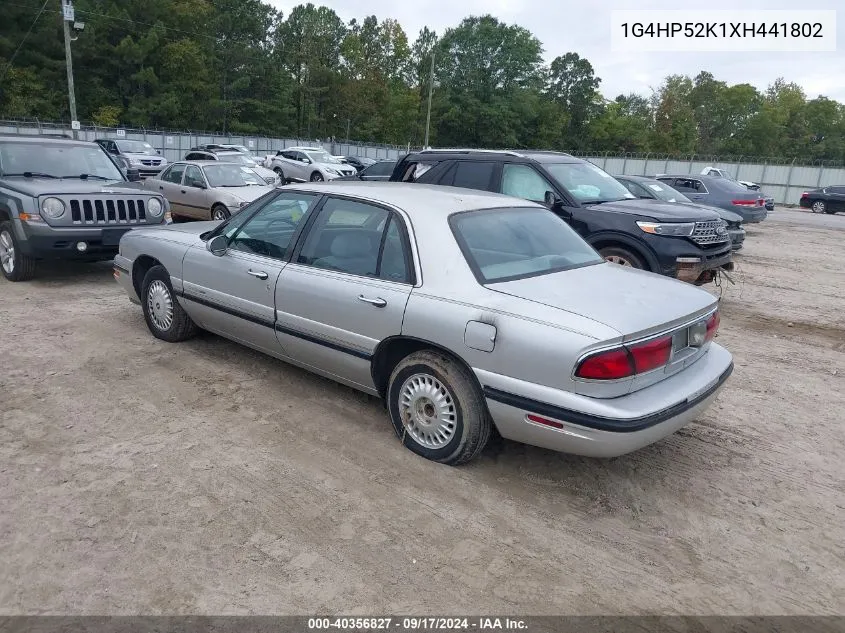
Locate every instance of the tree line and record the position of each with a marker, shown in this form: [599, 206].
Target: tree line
[242, 67]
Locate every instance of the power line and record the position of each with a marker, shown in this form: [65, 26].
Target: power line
[31, 26]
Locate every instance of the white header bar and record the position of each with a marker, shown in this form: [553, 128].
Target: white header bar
[722, 31]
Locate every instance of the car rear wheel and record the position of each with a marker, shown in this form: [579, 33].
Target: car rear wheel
[622, 257]
[16, 266]
[819, 207]
[219, 212]
[316, 177]
[436, 408]
[165, 318]
[280, 173]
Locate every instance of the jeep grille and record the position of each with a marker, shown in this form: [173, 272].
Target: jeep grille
[108, 210]
[706, 233]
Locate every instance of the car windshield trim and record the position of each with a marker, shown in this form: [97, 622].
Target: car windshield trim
[580, 248]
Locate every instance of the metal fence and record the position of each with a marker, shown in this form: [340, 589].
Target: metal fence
[782, 179]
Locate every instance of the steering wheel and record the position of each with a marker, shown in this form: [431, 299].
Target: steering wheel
[287, 221]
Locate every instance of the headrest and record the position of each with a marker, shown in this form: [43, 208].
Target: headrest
[351, 245]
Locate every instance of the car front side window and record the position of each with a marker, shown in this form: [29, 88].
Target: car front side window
[523, 181]
[174, 174]
[271, 230]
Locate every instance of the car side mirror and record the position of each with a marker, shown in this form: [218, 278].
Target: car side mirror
[198, 184]
[552, 200]
[217, 245]
[133, 175]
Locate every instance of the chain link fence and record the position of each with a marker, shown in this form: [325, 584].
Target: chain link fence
[783, 179]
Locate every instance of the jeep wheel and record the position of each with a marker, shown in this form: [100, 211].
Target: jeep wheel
[15, 265]
[621, 256]
[166, 319]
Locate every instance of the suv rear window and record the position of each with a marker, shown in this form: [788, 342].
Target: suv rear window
[513, 243]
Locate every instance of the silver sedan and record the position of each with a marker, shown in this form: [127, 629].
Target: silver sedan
[463, 310]
[208, 189]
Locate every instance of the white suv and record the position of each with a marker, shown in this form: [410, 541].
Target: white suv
[303, 164]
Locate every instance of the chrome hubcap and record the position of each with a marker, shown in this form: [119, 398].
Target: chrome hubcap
[616, 259]
[219, 214]
[818, 207]
[7, 252]
[428, 411]
[160, 305]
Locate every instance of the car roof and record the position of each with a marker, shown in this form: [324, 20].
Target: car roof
[541, 156]
[205, 163]
[304, 149]
[52, 138]
[418, 199]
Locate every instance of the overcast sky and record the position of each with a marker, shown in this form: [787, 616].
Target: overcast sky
[583, 26]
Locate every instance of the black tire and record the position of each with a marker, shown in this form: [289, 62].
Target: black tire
[280, 173]
[617, 254]
[317, 177]
[22, 266]
[472, 423]
[818, 206]
[181, 326]
[221, 210]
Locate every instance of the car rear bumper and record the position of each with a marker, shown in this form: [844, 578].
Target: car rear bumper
[605, 428]
[751, 216]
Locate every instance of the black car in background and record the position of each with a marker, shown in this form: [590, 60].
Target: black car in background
[687, 243]
[379, 170]
[649, 188]
[714, 191]
[358, 162]
[824, 200]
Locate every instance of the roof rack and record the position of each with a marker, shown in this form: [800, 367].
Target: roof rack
[506, 152]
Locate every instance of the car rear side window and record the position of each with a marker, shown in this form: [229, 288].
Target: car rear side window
[470, 174]
[514, 243]
[358, 239]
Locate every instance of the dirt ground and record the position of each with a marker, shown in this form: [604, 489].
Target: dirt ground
[138, 476]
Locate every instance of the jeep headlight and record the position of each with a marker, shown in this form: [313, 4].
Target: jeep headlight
[155, 207]
[52, 208]
[672, 229]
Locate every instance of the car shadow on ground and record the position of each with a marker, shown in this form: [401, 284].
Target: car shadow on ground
[66, 273]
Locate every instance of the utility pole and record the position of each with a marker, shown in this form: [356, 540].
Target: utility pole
[348, 122]
[430, 88]
[67, 18]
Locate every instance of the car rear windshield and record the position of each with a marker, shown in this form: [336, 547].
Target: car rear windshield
[513, 243]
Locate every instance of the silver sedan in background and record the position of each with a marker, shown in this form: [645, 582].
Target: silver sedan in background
[464, 310]
[208, 190]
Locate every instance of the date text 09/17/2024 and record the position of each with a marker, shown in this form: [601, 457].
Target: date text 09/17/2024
[417, 624]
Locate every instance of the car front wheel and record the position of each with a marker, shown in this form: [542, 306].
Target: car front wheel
[622, 257]
[16, 266]
[819, 206]
[436, 408]
[165, 318]
[317, 177]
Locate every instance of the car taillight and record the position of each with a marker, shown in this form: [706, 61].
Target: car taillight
[712, 325]
[651, 355]
[744, 203]
[623, 362]
[761, 202]
[610, 365]
[805, 195]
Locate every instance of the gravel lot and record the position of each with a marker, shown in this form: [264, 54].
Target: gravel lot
[138, 476]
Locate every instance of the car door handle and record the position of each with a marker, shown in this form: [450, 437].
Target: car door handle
[377, 302]
[257, 273]
[183, 191]
[161, 188]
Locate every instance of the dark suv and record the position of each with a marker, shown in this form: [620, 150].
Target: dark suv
[687, 243]
[61, 199]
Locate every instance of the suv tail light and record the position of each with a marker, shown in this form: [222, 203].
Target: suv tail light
[629, 360]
